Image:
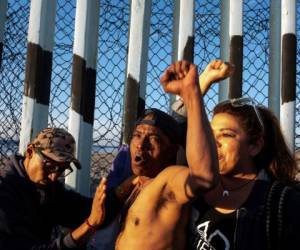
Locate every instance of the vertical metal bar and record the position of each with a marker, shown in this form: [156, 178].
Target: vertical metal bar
[38, 70]
[224, 86]
[176, 19]
[183, 43]
[83, 90]
[186, 31]
[135, 91]
[183, 37]
[3, 9]
[288, 70]
[274, 58]
[236, 47]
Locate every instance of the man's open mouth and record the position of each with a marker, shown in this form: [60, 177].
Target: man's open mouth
[220, 157]
[139, 159]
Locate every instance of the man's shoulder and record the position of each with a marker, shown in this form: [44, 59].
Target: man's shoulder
[7, 165]
[169, 173]
[171, 170]
[158, 182]
[12, 177]
[163, 183]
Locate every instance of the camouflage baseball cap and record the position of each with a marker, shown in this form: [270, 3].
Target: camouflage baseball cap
[57, 144]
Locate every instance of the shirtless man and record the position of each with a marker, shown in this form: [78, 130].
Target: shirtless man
[158, 208]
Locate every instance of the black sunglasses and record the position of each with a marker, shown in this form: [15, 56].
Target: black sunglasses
[51, 166]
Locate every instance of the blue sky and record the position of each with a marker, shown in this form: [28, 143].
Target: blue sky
[112, 51]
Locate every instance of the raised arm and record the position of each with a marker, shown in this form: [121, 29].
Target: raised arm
[181, 79]
[215, 71]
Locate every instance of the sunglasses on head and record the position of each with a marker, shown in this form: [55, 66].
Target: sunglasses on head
[63, 169]
[240, 102]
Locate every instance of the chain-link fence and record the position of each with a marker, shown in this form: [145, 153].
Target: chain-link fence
[160, 52]
[12, 75]
[111, 65]
[297, 120]
[111, 72]
[207, 41]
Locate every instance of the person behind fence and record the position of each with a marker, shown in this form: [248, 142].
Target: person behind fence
[33, 201]
[155, 215]
[257, 202]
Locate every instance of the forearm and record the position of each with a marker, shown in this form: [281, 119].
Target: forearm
[82, 234]
[178, 107]
[204, 83]
[200, 146]
[112, 204]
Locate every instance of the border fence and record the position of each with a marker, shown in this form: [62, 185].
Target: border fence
[111, 65]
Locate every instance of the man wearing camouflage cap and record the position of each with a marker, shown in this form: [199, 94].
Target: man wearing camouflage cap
[33, 202]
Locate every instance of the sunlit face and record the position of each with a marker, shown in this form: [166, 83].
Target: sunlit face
[40, 170]
[150, 150]
[234, 151]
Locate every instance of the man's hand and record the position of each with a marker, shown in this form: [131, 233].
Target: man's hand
[81, 234]
[215, 71]
[179, 78]
[97, 215]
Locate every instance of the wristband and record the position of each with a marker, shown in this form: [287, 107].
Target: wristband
[89, 225]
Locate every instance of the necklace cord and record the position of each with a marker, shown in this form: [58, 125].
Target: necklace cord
[227, 190]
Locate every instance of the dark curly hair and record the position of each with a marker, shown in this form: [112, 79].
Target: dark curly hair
[275, 156]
